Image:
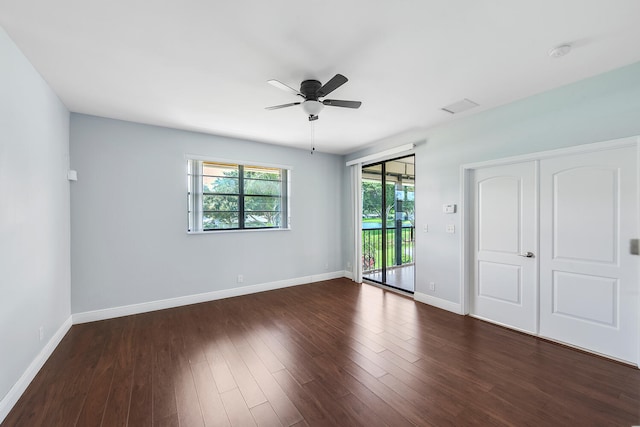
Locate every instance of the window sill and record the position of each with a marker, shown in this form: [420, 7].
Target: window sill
[244, 230]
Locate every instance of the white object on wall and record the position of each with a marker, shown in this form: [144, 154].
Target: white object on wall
[449, 209]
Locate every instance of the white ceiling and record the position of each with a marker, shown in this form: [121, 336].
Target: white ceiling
[203, 65]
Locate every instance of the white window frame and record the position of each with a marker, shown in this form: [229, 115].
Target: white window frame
[195, 193]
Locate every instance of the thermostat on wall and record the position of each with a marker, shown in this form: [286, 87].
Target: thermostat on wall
[449, 209]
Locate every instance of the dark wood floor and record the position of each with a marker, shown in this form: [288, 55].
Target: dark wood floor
[331, 353]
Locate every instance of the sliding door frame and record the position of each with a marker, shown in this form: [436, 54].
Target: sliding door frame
[382, 163]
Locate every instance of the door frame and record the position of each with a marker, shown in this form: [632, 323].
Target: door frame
[466, 255]
[384, 222]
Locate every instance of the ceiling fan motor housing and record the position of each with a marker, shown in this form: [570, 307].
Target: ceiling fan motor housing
[309, 88]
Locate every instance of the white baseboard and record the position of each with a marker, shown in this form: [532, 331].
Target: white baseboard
[444, 304]
[7, 403]
[126, 310]
[325, 276]
[347, 274]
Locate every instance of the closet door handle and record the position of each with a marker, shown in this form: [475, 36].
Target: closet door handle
[527, 255]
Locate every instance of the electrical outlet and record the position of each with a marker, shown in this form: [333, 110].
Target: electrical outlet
[426, 228]
[41, 332]
[240, 278]
[451, 228]
[432, 286]
[349, 265]
[326, 265]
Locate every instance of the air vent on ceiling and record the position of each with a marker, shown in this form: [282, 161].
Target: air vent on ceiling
[460, 106]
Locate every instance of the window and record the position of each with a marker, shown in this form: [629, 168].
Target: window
[227, 196]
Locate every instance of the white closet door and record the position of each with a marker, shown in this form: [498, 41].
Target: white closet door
[588, 279]
[505, 229]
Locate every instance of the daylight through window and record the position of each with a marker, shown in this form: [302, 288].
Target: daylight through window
[226, 196]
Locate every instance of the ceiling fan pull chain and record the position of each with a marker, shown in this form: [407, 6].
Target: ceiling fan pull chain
[313, 137]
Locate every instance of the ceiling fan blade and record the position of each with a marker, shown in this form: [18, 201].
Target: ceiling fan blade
[284, 87]
[277, 107]
[333, 84]
[340, 103]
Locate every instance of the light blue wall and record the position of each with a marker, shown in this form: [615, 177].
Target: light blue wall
[601, 108]
[129, 239]
[34, 215]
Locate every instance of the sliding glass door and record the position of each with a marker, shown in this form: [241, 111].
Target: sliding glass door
[388, 233]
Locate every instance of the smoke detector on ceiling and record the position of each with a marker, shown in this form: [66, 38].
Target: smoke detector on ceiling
[560, 51]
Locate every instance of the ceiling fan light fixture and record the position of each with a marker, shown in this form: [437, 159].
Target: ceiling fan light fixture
[311, 107]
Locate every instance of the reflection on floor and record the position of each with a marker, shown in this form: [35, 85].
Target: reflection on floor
[401, 277]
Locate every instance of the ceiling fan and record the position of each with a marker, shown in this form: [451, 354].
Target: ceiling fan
[312, 91]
